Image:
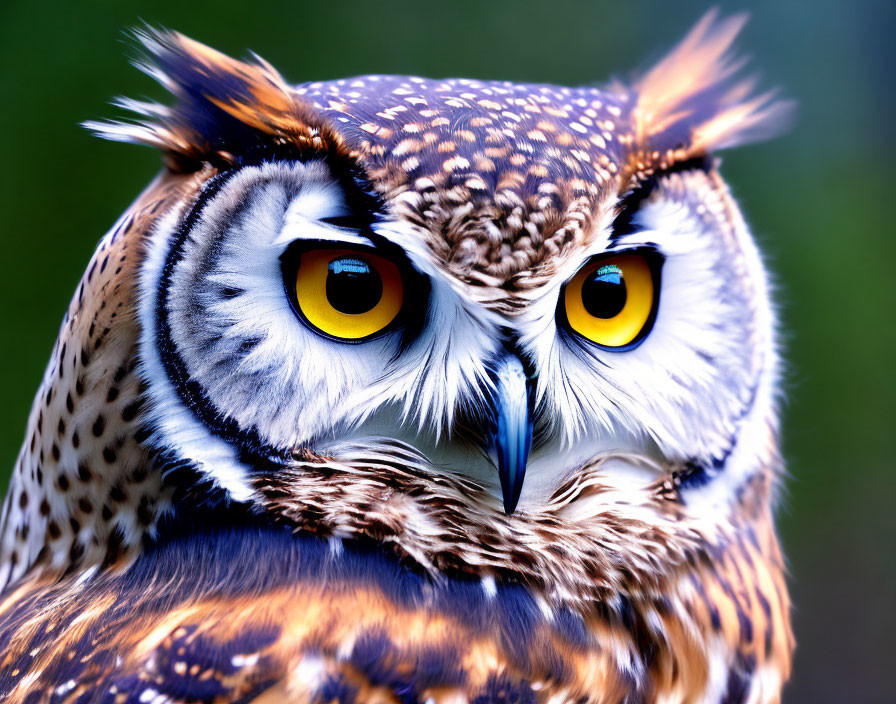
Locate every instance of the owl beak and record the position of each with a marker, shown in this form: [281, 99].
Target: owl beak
[509, 435]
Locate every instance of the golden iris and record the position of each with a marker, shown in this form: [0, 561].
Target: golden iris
[348, 294]
[610, 301]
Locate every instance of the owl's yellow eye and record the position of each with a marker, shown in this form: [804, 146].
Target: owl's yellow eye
[348, 294]
[611, 301]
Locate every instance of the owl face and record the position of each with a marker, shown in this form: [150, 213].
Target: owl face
[283, 311]
[506, 328]
[519, 303]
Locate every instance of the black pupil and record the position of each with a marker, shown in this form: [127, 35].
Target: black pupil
[353, 286]
[603, 292]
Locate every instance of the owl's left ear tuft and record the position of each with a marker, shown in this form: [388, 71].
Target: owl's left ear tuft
[695, 100]
[222, 107]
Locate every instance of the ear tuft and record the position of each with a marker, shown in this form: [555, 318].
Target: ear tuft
[695, 100]
[222, 106]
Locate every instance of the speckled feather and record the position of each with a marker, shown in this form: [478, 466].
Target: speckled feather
[504, 176]
[457, 602]
[250, 614]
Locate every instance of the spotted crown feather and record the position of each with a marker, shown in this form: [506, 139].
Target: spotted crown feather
[693, 101]
[503, 176]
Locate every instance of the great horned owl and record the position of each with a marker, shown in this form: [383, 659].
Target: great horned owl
[391, 389]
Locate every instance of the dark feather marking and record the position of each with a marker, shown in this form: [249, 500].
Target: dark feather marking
[385, 665]
[337, 689]
[739, 677]
[505, 690]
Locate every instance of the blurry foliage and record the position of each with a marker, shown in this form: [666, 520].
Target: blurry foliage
[817, 201]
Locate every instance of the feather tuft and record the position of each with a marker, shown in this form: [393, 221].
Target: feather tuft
[696, 99]
[222, 106]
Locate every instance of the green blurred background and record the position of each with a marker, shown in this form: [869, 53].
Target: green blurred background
[817, 200]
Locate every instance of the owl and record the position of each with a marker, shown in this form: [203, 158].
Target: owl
[390, 389]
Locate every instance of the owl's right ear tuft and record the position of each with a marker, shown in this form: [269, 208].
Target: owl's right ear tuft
[696, 99]
[223, 108]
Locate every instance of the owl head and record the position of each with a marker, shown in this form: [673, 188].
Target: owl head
[514, 331]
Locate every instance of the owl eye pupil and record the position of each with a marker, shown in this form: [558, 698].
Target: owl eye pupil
[604, 293]
[353, 286]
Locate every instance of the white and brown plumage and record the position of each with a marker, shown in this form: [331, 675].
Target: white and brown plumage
[219, 501]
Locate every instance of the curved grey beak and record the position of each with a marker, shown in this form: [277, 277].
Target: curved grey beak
[509, 436]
